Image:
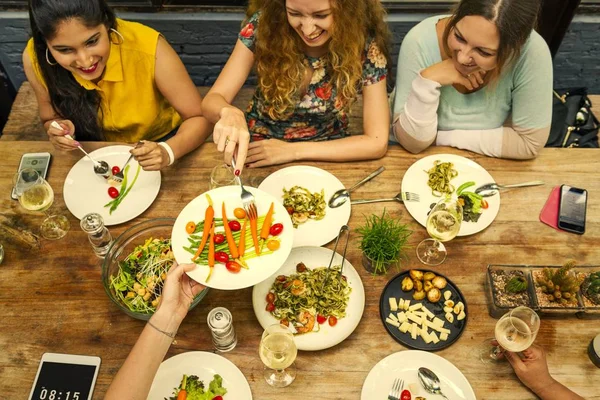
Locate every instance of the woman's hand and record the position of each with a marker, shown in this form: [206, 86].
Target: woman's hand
[532, 369]
[179, 291]
[151, 156]
[231, 131]
[269, 152]
[57, 136]
[446, 74]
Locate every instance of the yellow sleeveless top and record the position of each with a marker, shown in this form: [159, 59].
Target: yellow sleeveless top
[132, 107]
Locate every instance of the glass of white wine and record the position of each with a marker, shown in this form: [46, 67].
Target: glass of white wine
[36, 194]
[515, 332]
[278, 352]
[443, 224]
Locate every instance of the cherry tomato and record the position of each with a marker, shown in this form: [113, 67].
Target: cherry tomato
[271, 297]
[284, 322]
[239, 213]
[190, 227]
[234, 226]
[233, 266]
[219, 238]
[289, 209]
[300, 267]
[321, 319]
[113, 192]
[276, 229]
[273, 245]
[405, 395]
[115, 170]
[270, 307]
[332, 321]
[221, 257]
[217, 398]
[484, 204]
[280, 278]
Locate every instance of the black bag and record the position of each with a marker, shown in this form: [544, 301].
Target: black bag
[573, 123]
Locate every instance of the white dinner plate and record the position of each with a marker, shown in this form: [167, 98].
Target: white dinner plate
[415, 180]
[259, 268]
[327, 336]
[85, 192]
[312, 232]
[204, 365]
[405, 365]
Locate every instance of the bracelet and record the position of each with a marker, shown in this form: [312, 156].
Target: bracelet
[169, 150]
[169, 334]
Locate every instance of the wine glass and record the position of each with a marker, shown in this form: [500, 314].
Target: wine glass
[443, 224]
[278, 352]
[222, 175]
[36, 194]
[515, 332]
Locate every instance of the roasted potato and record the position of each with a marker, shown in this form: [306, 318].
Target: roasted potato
[428, 276]
[420, 295]
[439, 282]
[418, 285]
[407, 284]
[416, 274]
[434, 295]
[428, 286]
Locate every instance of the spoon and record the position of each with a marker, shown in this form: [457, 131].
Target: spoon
[430, 381]
[490, 189]
[100, 167]
[342, 195]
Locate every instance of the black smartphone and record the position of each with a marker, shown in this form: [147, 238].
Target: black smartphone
[38, 161]
[572, 208]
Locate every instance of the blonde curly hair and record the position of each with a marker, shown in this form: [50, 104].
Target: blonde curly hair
[280, 65]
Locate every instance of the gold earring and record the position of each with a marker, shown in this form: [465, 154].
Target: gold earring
[118, 34]
[48, 58]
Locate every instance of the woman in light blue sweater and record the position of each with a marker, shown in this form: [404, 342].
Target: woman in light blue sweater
[480, 80]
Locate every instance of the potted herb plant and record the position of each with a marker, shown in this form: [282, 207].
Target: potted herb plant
[383, 241]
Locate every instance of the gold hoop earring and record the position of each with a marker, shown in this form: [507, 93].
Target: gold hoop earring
[48, 58]
[118, 34]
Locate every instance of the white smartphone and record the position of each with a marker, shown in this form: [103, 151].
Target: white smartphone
[65, 377]
[38, 161]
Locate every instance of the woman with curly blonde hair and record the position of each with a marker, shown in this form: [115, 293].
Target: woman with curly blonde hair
[312, 58]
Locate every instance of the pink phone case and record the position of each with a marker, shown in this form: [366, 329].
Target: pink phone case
[549, 214]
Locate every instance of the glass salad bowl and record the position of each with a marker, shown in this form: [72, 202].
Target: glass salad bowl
[135, 267]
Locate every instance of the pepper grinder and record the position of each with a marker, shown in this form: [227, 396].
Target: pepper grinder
[98, 235]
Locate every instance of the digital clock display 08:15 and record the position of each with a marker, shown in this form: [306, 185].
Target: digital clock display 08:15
[60, 381]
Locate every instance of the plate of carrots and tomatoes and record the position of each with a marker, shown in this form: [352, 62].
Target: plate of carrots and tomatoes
[231, 251]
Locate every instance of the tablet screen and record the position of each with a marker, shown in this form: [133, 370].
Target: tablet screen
[60, 381]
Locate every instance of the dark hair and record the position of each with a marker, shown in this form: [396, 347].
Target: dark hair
[69, 99]
[515, 19]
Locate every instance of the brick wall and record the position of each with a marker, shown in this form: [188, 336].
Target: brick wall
[205, 40]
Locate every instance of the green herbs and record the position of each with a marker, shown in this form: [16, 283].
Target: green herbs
[195, 389]
[113, 204]
[383, 241]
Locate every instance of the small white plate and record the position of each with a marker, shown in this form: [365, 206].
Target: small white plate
[327, 336]
[204, 365]
[311, 233]
[405, 365]
[259, 268]
[85, 192]
[415, 180]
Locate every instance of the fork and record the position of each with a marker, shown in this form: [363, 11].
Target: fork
[247, 197]
[396, 389]
[400, 198]
[119, 175]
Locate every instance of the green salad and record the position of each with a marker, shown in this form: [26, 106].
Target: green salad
[195, 390]
[471, 202]
[303, 205]
[139, 281]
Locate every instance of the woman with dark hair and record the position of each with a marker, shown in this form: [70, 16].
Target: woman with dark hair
[103, 78]
[461, 76]
[312, 59]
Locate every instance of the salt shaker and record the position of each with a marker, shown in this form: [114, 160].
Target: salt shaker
[594, 350]
[220, 322]
[99, 236]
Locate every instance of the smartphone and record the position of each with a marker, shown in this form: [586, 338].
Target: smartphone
[38, 161]
[65, 377]
[571, 209]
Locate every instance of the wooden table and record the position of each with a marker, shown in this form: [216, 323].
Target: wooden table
[52, 300]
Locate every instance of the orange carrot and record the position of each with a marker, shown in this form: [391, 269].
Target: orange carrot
[253, 231]
[264, 232]
[230, 242]
[182, 395]
[209, 216]
[242, 244]
[211, 251]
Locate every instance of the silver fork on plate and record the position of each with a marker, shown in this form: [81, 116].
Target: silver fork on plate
[396, 389]
[400, 198]
[119, 176]
[247, 197]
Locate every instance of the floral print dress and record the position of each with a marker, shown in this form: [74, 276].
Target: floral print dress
[319, 115]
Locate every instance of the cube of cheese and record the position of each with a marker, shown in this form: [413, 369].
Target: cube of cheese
[434, 337]
[393, 304]
[443, 336]
[393, 317]
[406, 304]
[405, 327]
[416, 319]
[402, 317]
[427, 312]
[438, 322]
[414, 331]
[392, 322]
[400, 303]
[415, 307]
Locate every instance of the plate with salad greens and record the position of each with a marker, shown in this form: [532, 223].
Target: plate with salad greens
[304, 191]
[439, 175]
[321, 316]
[207, 376]
[85, 192]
